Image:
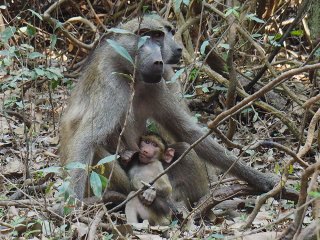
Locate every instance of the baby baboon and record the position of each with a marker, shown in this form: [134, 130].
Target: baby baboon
[153, 150]
[97, 108]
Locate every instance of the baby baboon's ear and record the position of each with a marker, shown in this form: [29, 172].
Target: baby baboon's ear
[168, 155]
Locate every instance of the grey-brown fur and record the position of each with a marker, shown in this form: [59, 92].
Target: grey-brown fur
[96, 111]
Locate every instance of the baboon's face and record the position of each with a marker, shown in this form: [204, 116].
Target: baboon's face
[150, 62]
[171, 50]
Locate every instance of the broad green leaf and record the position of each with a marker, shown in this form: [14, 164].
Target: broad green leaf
[217, 236]
[176, 5]
[6, 53]
[31, 31]
[75, 165]
[39, 71]
[35, 14]
[203, 47]
[52, 169]
[290, 171]
[7, 33]
[145, 8]
[121, 50]
[255, 117]
[256, 35]
[104, 181]
[20, 104]
[63, 188]
[225, 45]
[58, 24]
[247, 110]
[142, 41]
[176, 75]
[186, 2]
[253, 17]
[96, 184]
[34, 55]
[55, 71]
[205, 90]
[188, 95]
[297, 33]
[278, 36]
[107, 159]
[119, 30]
[314, 194]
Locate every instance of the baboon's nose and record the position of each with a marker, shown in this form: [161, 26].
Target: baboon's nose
[159, 63]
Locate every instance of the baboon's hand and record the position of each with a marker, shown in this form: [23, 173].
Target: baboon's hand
[126, 157]
[148, 196]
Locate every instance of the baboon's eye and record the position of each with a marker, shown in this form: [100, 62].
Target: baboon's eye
[154, 144]
[170, 30]
[156, 34]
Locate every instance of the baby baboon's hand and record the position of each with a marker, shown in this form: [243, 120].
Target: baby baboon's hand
[148, 196]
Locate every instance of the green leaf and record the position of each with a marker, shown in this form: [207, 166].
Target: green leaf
[314, 194]
[53, 41]
[145, 8]
[121, 50]
[297, 33]
[31, 30]
[205, 90]
[34, 55]
[107, 159]
[188, 96]
[54, 84]
[246, 110]
[142, 40]
[39, 71]
[63, 188]
[58, 24]
[186, 2]
[256, 35]
[119, 30]
[75, 165]
[217, 236]
[96, 184]
[176, 5]
[104, 181]
[225, 45]
[203, 46]
[290, 171]
[253, 17]
[7, 34]
[176, 75]
[52, 169]
[277, 168]
[35, 14]
[255, 117]
[232, 11]
[277, 36]
[55, 71]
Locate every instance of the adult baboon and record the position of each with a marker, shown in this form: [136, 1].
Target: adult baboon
[95, 115]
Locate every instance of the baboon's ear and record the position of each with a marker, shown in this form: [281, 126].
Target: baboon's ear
[168, 155]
